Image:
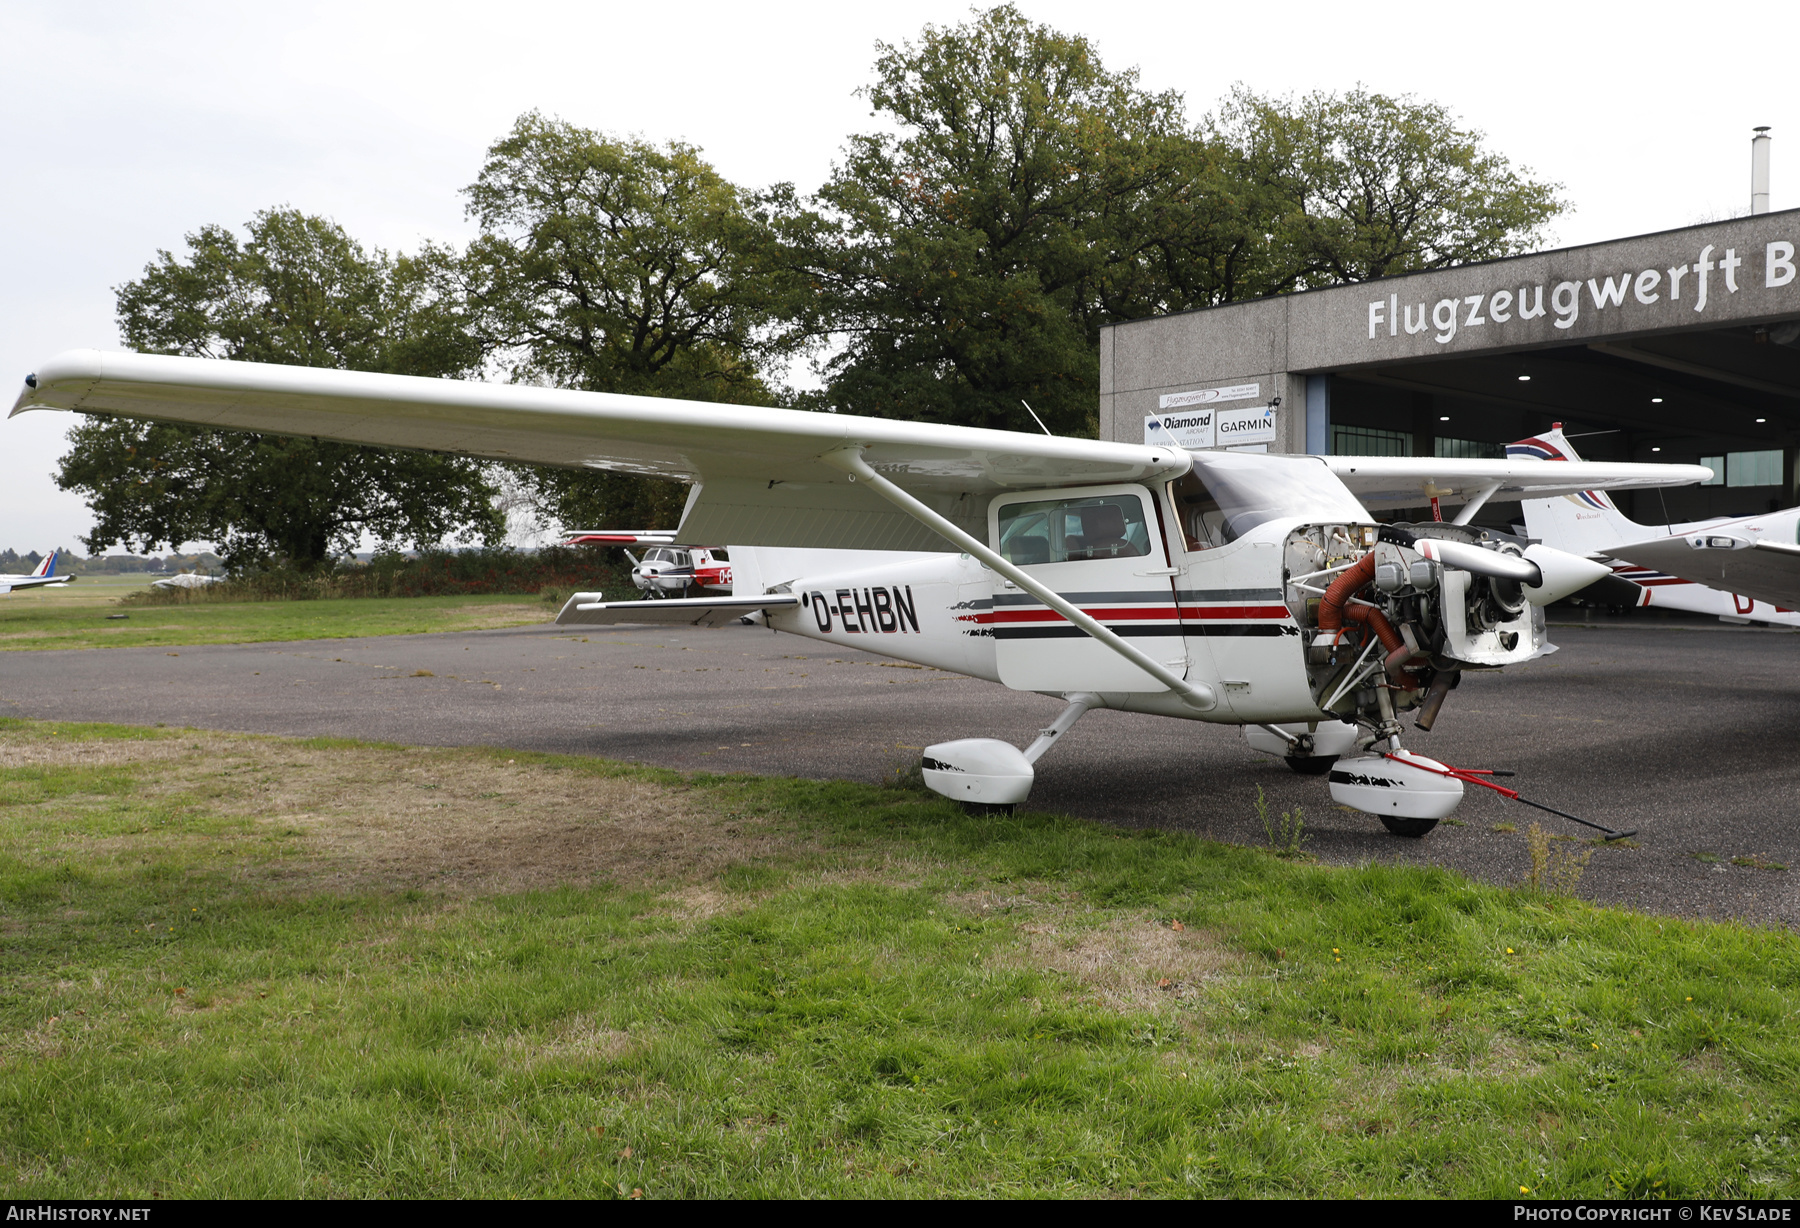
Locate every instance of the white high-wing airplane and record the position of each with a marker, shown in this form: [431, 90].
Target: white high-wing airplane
[1743, 568]
[1235, 588]
[45, 574]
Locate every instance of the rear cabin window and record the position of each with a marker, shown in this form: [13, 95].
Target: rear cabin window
[1074, 530]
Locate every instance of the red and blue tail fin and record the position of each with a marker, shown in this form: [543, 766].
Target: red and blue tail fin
[48, 566]
[1587, 522]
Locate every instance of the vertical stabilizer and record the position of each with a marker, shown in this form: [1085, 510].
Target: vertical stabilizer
[1584, 523]
[48, 566]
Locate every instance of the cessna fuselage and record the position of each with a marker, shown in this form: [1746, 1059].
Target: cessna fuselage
[1219, 576]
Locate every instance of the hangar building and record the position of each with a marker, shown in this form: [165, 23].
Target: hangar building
[1682, 346]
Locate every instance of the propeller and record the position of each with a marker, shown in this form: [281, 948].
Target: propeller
[1545, 574]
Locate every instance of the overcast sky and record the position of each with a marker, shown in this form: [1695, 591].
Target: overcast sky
[125, 126]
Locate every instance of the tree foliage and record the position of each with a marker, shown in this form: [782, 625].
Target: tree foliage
[1362, 185]
[619, 266]
[966, 260]
[1028, 196]
[299, 292]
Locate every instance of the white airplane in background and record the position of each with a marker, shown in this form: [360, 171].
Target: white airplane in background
[666, 568]
[1241, 589]
[1742, 568]
[45, 574]
[187, 579]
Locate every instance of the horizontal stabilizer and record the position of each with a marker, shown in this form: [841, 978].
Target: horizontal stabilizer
[588, 610]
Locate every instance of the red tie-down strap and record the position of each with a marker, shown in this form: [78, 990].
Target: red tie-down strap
[1474, 776]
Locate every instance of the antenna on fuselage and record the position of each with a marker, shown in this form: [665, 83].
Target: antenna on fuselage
[1034, 417]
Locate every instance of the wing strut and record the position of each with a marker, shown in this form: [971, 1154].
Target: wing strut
[850, 460]
[1475, 505]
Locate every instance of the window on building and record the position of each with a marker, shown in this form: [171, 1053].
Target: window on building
[1753, 468]
[1717, 465]
[1471, 449]
[1367, 441]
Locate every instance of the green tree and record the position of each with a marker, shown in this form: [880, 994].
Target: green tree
[299, 292]
[619, 266]
[967, 261]
[1362, 185]
[1028, 196]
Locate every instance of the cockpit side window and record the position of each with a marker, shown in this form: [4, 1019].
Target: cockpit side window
[1074, 530]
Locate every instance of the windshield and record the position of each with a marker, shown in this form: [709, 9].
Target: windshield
[1229, 493]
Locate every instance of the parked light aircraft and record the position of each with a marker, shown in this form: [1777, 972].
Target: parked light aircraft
[666, 568]
[187, 579]
[45, 574]
[1743, 568]
[1236, 588]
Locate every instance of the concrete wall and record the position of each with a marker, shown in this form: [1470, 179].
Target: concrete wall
[1247, 343]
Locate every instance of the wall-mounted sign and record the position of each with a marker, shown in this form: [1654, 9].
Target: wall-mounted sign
[1211, 428]
[1241, 426]
[1193, 429]
[1584, 292]
[1209, 396]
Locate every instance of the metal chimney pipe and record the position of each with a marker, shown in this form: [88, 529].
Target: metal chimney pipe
[1759, 171]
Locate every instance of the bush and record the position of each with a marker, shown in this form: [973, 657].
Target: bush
[432, 573]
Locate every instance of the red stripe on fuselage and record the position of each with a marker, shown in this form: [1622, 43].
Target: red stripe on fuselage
[1235, 613]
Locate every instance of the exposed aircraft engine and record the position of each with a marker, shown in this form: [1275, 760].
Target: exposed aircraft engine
[1394, 614]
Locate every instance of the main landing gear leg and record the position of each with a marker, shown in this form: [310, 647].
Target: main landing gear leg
[1079, 703]
[989, 776]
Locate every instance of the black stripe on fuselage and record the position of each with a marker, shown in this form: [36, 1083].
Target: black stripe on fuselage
[1236, 596]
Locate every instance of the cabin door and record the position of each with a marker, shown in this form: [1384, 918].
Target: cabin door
[1101, 548]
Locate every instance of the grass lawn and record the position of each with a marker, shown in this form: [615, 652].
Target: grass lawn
[77, 616]
[235, 966]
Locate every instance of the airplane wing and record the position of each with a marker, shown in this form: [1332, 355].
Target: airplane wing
[1412, 481]
[757, 474]
[587, 609]
[1767, 571]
